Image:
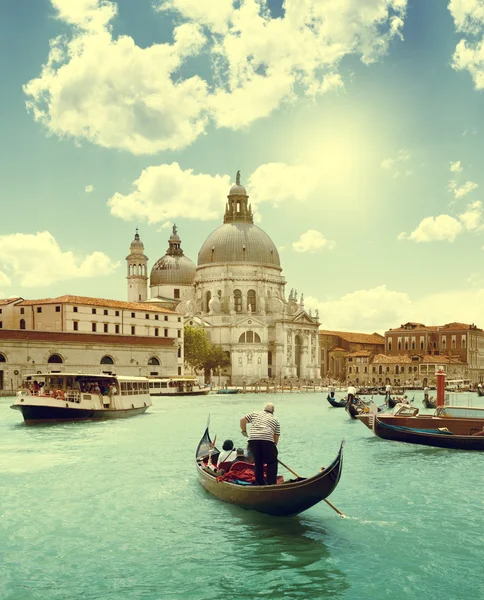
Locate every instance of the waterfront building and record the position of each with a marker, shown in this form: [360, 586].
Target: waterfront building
[77, 333]
[237, 291]
[345, 355]
[460, 343]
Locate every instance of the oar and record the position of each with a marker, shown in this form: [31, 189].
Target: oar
[299, 477]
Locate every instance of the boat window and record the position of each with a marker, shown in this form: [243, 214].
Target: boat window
[157, 384]
[164, 384]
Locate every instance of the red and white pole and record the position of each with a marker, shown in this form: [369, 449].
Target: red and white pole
[440, 387]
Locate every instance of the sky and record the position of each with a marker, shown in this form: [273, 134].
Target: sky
[358, 128]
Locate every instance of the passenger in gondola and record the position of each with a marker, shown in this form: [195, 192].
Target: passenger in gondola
[331, 391]
[240, 455]
[264, 435]
[426, 393]
[228, 452]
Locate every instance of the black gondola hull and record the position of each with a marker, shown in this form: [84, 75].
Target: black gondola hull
[336, 403]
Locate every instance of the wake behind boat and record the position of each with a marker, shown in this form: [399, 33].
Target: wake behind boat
[50, 397]
[281, 500]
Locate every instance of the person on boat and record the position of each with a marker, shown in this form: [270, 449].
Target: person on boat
[228, 452]
[351, 393]
[426, 393]
[263, 438]
[331, 391]
[240, 455]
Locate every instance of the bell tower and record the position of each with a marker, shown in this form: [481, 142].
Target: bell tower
[137, 271]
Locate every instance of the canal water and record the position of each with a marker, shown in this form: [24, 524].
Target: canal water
[113, 510]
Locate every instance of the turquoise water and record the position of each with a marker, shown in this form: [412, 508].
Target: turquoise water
[114, 510]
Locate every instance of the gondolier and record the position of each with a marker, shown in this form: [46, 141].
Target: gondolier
[264, 435]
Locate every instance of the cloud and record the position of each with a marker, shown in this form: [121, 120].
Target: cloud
[431, 229]
[107, 90]
[312, 241]
[456, 167]
[279, 182]
[370, 310]
[398, 166]
[445, 227]
[164, 226]
[468, 18]
[5, 279]
[37, 260]
[88, 189]
[462, 191]
[379, 309]
[167, 192]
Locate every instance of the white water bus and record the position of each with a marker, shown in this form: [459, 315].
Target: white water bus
[48, 397]
[177, 386]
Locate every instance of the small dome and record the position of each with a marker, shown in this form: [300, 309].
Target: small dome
[237, 190]
[137, 243]
[173, 269]
[239, 242]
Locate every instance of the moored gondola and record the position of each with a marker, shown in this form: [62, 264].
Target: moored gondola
[440, 438]
[336, 403]
[282, 500]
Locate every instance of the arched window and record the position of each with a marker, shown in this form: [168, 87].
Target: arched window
[238, 301]
[22, 323]
[208, 297]
[380, 370]
[397, 369]
[107, 360]
[251, 300]
[249, 337]
[55, 359]
[2, 358]
[154, 361]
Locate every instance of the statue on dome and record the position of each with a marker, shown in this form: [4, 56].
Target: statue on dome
[237, 178]
[175, 230]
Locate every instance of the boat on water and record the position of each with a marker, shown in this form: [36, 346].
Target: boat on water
[480, 390]
[463, 420]
[226, 391]
[429, 402]
[441, 437]
[51, 397]
[335, 403]
[281, 500]
[177, 386]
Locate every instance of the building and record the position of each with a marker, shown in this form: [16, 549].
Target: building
[76, 333]
[460, 343]
[238, 291]
[345, 355]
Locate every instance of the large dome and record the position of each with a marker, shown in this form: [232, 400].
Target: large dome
[238, 242]
[172, 270]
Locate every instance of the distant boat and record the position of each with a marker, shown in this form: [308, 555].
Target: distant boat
[81, 397]
[336, 403]
[227, 391]
[178, 386]
[441, 437]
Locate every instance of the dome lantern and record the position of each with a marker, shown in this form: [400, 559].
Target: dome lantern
[237, 209]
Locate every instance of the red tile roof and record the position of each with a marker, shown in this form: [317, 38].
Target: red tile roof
[67, 299]
[360, 353]
[394, 360]
[337, 349]
[5, 301]
[358, 338]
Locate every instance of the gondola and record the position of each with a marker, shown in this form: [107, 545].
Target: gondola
[480, 391]
[440, 438]
[336, 403]
[281, 500]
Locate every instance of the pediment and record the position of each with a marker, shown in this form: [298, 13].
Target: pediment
[247, 322]
[303, 317]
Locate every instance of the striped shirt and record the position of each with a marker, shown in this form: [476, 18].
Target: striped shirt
[263, 426]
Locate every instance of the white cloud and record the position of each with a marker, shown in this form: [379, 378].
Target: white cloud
[379, 309]
[431, 229]
[398, 166]
[363, 310]
[312, 241]
[469, 53]
[88, 189]
[164, 226]
[167, 192]
[37, 260]
[462, 191]
[445, 227]
[278, 182]
[456, 167]
[113, 93]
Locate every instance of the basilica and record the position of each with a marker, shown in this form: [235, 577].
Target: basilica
[237, 293]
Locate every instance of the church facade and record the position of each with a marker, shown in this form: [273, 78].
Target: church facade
[237, 292]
